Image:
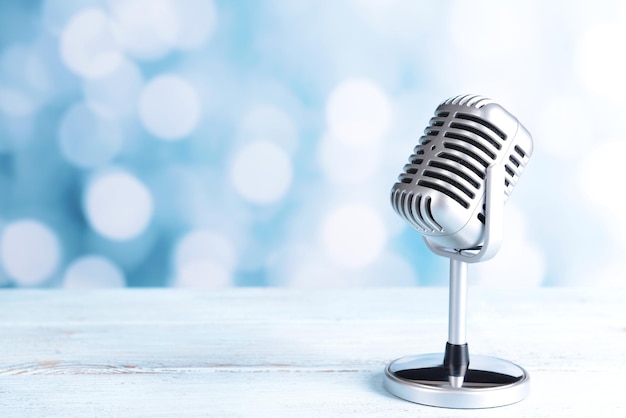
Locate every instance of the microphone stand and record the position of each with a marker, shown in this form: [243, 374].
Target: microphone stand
[456, 357]
[490, 381]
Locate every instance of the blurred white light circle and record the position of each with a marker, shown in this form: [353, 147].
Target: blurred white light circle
[388, 270]
[519, 263]
[204, 274]
[117, 93]
[400, 20]
[169, 107]
[88, 47]
[487, 19]
[609, 274]
[562, 137]
[347, 165]
[86, 139]
[600, 175]
[197, 20]
[269, 123]
[282, 261]
[203, 244]
[358, 112]
[312, 274]
[118, 205]
[353, 235]
[261, 172]
[93, 272]
[30, 252]
[601, 65]
[146, 29]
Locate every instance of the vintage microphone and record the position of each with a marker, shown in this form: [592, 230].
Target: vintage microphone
[453, 192]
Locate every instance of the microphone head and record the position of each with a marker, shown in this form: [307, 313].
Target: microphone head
[441, 191]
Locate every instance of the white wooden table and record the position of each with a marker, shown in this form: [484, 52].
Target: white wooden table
[295, 353]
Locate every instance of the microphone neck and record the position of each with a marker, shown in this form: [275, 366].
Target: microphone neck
[457, 302]
[456, 358]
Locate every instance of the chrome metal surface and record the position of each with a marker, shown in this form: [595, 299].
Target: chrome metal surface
[494, 223]
[457, 306]
[456, 381]
[453, 192]
[489, 382]
[441, 190]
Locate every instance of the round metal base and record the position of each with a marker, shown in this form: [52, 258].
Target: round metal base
[489, 382]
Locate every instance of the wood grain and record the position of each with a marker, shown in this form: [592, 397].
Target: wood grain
[280, 352]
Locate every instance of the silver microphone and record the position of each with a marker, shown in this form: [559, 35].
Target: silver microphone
[441, 192]
[453, 191]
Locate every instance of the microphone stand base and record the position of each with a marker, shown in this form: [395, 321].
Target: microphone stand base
[489, 382]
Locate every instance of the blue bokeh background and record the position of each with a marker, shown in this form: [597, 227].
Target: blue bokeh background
[209, 144]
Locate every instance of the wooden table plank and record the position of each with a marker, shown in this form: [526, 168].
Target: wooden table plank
[279, 352]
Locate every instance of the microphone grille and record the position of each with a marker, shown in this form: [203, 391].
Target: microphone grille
[471, 100]
[466, 135]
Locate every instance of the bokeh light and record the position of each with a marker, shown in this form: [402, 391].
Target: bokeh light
[204, 259]
[169, 107]
[398, 20]
[196, 22]
[518, 263]
[30, 252]
[145, 29]
[353, 235]
[117, 93]
[206, 144]
[344, 164]
[265, 122]
[261, 172]
[205, 274]
[118, 205]
[88, 46]
[600, 64]
[564, 139]
[93, 272]
[358, 112]
[600, 177]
